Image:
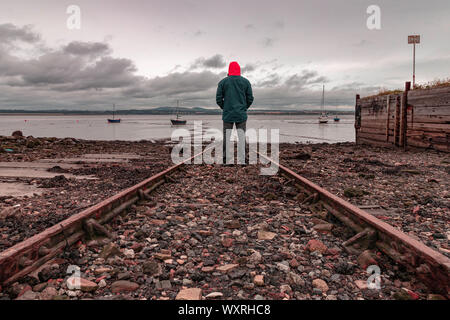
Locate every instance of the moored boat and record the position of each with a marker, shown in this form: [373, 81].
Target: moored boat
[178, 121]
[323, 115]
[114, 120]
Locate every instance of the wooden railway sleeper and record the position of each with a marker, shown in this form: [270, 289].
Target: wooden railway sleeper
[93, 227]
[362, 241]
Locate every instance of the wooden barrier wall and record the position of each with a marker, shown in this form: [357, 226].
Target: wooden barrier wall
[417, 118]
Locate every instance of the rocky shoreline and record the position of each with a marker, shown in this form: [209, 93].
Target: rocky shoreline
[226, 232]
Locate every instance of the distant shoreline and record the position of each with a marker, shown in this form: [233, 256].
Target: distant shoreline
[133, 112]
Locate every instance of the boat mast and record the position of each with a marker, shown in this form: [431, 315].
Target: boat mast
[114, 111]
[323, 100]
[178, 107]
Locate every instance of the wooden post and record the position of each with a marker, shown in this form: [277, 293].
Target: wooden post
[397, 121]
[403, 115]
[388, 110]
[357, 117]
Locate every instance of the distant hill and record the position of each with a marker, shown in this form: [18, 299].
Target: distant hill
[166, 111]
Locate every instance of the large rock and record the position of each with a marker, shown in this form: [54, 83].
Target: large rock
[259, 280]
[366, 259]
[266, 235]
[163, 255]
[296, 279]
[124, 286]
[316, 245]
[77, 283]
[232, 224]
[29, 295]
[255, 257]
[152, 268]
[190, 294]
[320, 284]
[361, 284]
[227, 267]
[324, 227]
[48, 293]
[110, 250]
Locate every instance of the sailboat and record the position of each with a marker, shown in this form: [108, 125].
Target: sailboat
[323, 115]
[178, 121]
[336, 117]
[114, 120]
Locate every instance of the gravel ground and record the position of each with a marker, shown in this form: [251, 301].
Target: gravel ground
[226, 232]
[412, 187]
[220, 233]
[20, 218]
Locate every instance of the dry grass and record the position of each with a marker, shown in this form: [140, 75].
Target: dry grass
[384, 92]
[439, 83]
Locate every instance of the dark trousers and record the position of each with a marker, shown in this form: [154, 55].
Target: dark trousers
[227, 130]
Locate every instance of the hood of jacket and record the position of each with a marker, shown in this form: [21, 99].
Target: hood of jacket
[235, 69]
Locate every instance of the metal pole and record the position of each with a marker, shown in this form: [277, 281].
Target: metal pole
[414, 65]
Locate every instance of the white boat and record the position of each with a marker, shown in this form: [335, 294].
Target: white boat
[323, 115]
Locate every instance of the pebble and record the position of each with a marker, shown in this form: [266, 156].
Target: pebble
[320, 284]
[123, 286]
[189, 294]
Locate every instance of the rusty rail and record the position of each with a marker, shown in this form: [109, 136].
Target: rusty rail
[25, 257]
[432, 267]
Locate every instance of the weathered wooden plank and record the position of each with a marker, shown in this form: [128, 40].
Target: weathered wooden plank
[397, 120]
[403, 114]
[424, 92]
[432, 127]
[427, 144]
[429, 119]
[377, 130]
[432, 110]
[427, 133]
[372, 122]
[430, 100]
[388, 106]
[373, 136]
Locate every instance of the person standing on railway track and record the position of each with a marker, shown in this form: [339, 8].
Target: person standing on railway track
[234, 96]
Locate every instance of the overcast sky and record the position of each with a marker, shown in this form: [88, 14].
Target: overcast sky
[149, 53]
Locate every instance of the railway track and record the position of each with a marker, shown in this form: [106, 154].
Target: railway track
[428, 265]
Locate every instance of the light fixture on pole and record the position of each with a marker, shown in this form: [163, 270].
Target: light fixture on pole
[413, 39]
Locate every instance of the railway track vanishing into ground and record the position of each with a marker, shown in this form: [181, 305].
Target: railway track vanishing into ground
[367, 234]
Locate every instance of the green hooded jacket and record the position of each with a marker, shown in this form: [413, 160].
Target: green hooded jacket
[234, 95]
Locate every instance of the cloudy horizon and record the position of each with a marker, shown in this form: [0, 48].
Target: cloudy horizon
[145, 54]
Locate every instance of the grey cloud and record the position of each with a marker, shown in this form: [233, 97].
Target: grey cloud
[215, 62]
[272, 80]
[248, 68]
[10, 33]
[85, 74]
[87, 48]
[305, 78]
[175, 84]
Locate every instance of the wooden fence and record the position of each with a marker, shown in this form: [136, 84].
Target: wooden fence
[414, 118]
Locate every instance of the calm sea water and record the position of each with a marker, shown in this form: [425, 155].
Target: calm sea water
[153, 127]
